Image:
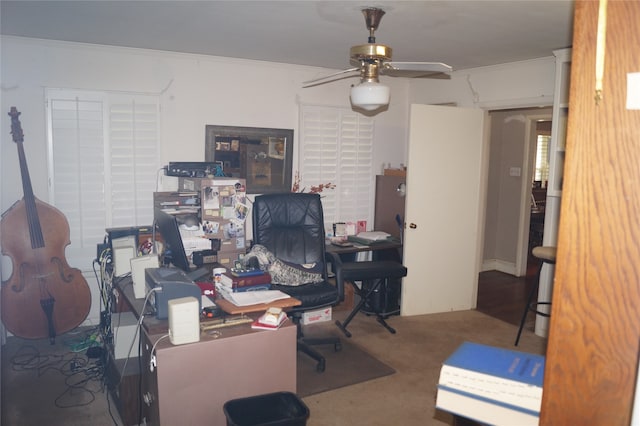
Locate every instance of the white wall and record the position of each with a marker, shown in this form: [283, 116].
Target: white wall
[197, 90]
[512, 85]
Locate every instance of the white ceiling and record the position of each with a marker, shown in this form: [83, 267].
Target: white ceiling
[463, 34]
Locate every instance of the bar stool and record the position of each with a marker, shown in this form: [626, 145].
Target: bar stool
[379, 272]
[546, 254]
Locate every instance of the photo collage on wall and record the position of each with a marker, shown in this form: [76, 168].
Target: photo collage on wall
[225, 210]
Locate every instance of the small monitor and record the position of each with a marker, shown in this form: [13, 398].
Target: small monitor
[167, 225]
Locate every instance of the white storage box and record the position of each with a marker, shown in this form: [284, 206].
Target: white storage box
[319, 315]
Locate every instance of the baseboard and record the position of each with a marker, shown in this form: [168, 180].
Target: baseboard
[499, 265]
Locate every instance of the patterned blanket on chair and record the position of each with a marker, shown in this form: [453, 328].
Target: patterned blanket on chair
[282, 272]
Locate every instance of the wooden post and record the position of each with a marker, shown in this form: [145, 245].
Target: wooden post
[592, 354]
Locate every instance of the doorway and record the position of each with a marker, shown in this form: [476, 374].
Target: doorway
[512, 152]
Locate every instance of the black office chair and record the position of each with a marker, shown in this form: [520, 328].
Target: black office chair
[291, 226]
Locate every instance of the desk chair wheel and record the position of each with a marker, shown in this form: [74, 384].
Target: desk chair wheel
[322, 362]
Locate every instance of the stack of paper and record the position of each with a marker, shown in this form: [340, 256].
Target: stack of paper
[247, 298]
[374, 235]
[492, 385]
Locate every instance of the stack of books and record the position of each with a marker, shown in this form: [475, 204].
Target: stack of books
[492, 385]
[272, 319]
[234, 282]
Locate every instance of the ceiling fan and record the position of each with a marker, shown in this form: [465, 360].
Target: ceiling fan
[374, 59]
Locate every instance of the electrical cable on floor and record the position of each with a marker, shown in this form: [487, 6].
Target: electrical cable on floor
[83, 375]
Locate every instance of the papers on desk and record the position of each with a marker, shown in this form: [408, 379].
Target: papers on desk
[247, 298]
[369, 238]
[374, 235]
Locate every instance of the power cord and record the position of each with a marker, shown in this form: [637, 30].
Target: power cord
[137, 332]
[153, 363]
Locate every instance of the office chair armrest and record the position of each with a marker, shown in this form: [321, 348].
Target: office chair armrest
[336, 267]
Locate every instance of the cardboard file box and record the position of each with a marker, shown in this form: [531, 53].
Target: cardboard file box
[318, 315]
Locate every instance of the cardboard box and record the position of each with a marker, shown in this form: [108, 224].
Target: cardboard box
[227, 258]
[318, 315]
[395, 172]
[232, 244]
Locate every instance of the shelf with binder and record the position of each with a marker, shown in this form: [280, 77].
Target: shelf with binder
[177, 203]
[559, 127]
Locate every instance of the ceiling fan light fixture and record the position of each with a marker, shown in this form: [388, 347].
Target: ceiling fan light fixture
[370, 95]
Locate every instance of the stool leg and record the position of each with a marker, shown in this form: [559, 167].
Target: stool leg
[354, 311]
[383, 322]
[363, 300]
[534, 291]
[381, 318]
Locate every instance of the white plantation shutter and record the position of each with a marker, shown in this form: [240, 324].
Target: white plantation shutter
[336, 146]
[542, 158]
[134, 158]
[103, 158]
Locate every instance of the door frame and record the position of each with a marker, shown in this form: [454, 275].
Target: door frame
[520, 266]
[528, 166]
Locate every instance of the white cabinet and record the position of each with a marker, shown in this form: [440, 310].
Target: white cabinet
[556, 177]
[559, 120]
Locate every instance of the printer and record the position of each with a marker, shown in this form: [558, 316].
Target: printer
[170, 283]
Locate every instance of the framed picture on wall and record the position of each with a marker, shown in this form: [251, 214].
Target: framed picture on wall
[262, 156]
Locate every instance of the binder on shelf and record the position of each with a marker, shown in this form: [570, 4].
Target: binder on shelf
[492, 385]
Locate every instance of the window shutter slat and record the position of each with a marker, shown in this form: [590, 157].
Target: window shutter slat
[104, 153]
[337, 147]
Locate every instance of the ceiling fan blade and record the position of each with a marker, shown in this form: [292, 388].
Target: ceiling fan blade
[415, 74]
[417, 66]
[331, 77]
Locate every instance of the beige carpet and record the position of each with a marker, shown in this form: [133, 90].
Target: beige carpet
[416, 352]
[406, 397]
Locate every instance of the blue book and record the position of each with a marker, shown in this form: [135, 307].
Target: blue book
[246, 272]
[506, 380]
[504, 363]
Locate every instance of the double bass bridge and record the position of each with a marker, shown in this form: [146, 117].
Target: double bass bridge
[28, 272]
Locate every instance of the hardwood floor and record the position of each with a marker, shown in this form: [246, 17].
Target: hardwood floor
[504, 296]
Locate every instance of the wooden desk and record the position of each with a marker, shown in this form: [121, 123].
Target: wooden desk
[230, 308]
[124, 290]
[189, 384]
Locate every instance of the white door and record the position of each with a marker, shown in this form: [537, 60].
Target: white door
[446, 185]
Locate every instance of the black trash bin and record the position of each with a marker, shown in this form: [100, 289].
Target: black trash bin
[272, 409]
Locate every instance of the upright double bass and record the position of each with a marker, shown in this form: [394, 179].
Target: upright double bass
[43, 296]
